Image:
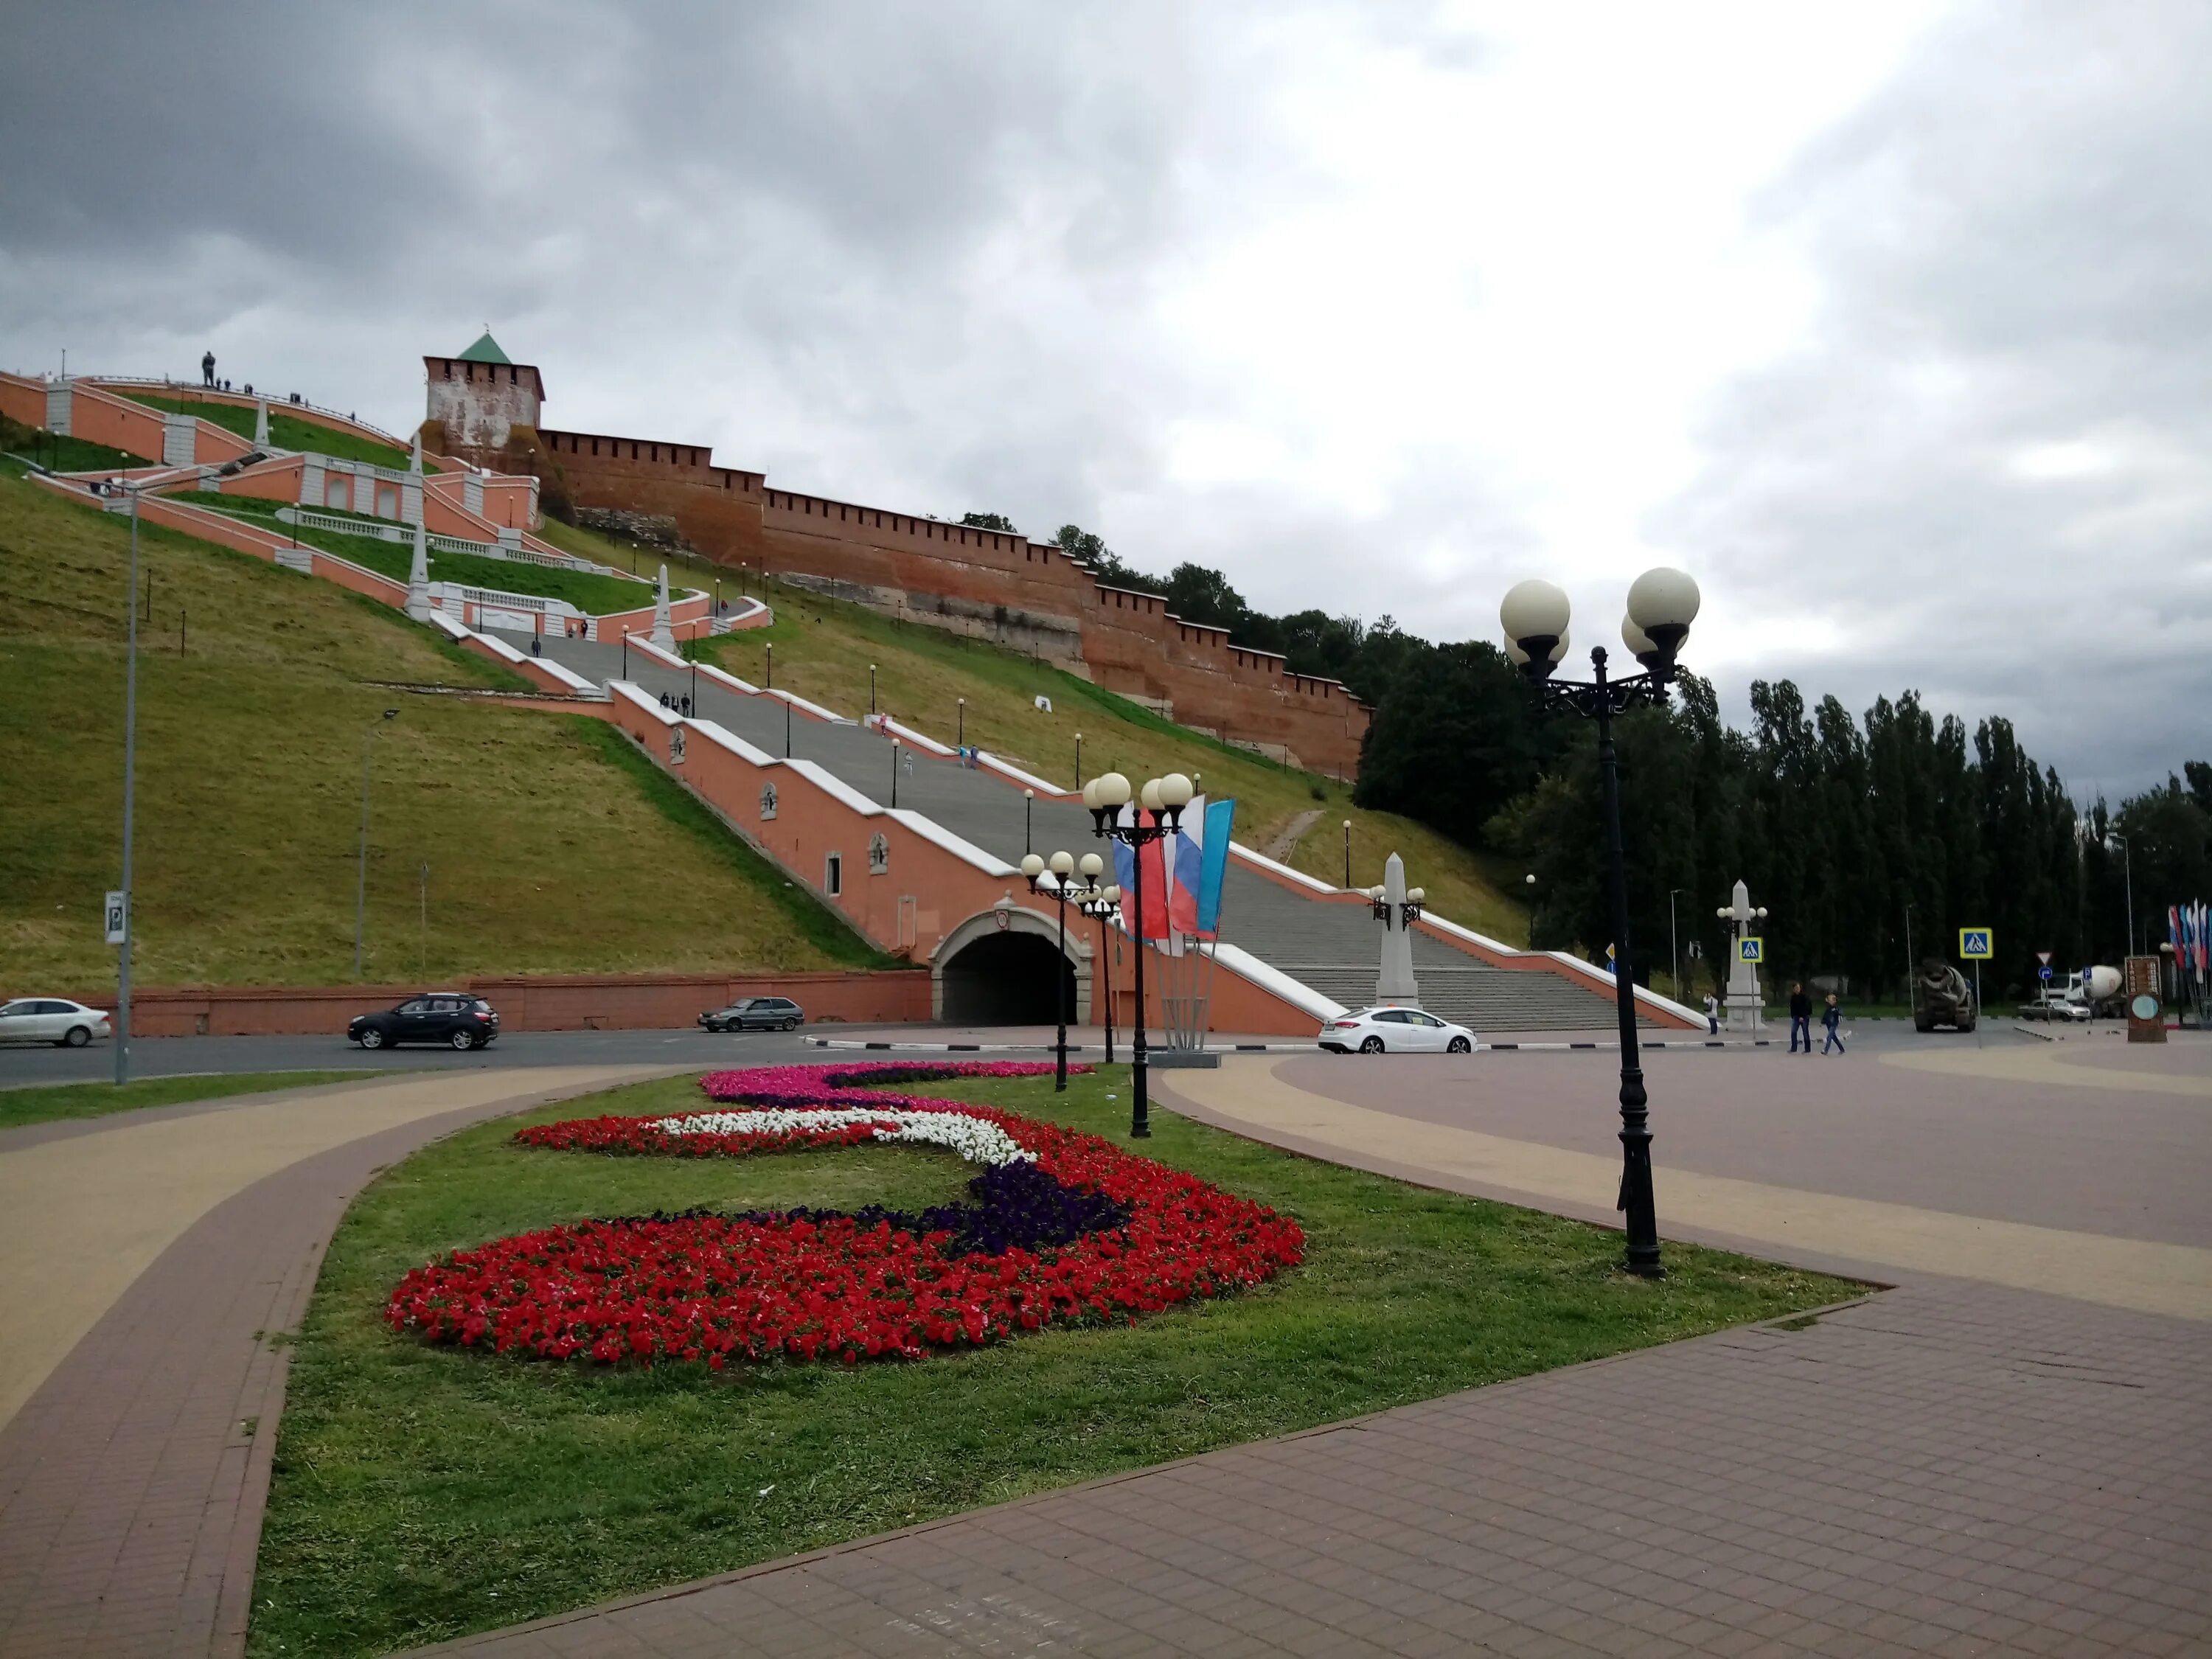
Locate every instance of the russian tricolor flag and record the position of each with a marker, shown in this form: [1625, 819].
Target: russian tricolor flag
[1182, 892]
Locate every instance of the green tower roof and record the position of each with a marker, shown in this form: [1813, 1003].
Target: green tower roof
[485, 350]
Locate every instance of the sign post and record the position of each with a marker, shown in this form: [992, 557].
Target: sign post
[2146, 1013]
[1977, 945]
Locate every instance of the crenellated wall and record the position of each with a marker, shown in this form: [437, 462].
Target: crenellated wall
[1029, 596]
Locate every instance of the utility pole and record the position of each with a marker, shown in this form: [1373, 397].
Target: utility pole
[130, 793]
[1674, 945]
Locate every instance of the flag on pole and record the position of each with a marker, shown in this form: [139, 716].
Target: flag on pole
[1155, 919]
[1201, 860]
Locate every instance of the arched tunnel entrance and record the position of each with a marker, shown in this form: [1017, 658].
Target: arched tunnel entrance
[988, 976]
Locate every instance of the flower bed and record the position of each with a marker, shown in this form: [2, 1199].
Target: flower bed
[1063, 1228]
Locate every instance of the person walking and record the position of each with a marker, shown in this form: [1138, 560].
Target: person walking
[1828, 1019]
[1801, 1018]
[207, 370]
[1712, 1015]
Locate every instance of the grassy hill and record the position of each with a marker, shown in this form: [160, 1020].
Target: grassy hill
[550, 846]
[822, 650]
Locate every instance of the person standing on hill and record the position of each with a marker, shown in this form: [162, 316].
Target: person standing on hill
[207, 370]
[1828, 1019]
[1801, 1018]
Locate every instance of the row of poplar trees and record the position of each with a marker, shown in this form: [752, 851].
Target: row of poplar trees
[1871, 841]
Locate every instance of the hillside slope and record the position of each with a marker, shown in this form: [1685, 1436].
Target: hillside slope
[549, 847]
[822, 650]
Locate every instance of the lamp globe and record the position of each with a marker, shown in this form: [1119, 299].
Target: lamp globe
[1149, 796]
[1113, 790]
[1091, 865]
[1417, 894]
[1534, 613]
[1062, 863]
[1663, 603]
[1032, 865]
[1175, 791]
[1113, 892]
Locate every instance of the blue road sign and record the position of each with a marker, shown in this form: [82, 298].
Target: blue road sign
[2044, 972]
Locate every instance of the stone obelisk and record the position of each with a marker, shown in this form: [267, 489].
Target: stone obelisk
[1395, 982]
[663, 635]
[1745, 1007]
[419, 577]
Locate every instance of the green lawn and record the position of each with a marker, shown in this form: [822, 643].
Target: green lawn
[591, 593]
[46, 1103]
[545, 853]
[286, 431]
[420, 1492]
[58, 454]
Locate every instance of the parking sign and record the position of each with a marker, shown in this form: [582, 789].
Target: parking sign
[117, 911]
[1974, 944]
[1751, 948]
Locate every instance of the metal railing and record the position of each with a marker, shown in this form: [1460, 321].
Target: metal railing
[384, 530]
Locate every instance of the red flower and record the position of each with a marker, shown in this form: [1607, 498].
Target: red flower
[706, 1287]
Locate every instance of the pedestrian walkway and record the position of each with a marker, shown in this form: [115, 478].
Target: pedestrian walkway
[1945, 1469]
[154, 1261]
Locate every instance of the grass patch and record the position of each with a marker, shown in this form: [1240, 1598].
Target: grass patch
[57, 454]
[588, 590]
[543, 856]
[286, 430]
[421, 1493]
[49, 1103]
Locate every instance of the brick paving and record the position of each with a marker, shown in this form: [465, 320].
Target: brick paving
[133, 1481]
[1943, 1468]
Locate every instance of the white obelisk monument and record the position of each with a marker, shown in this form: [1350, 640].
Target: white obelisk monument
[663, 635]
[1395, 982]
[1745, 1007]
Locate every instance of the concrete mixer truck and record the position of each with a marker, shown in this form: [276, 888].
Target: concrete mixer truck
[2093, 994]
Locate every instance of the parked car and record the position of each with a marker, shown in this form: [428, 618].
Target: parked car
[755, 1014]
[1405, 1030]
[2048, 1005]
[51, 1019]
[453, 1017]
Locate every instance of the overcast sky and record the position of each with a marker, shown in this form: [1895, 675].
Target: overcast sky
[1891, 322]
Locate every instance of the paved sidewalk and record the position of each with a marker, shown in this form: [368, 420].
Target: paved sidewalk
[1943, 1468]
[132, 1478]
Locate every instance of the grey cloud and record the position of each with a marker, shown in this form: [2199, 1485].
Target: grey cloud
[2014, 238]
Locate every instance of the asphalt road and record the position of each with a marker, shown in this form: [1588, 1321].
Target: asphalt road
[21, 1064]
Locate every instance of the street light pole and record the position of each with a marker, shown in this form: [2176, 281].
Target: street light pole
[130, 794]
[1061, 865]
[871, 687]
[361, 880]
[1162, 800]
[1029, 801]
[1348, 854]
[2127, 865]
[1100, 904]
[960, 731]
[1674, 945]
[1662, 604]
[1911, 966]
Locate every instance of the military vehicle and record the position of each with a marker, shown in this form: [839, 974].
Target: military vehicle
[1942, 996]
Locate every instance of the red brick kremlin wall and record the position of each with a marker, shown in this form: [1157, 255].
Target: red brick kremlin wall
[1029, 595]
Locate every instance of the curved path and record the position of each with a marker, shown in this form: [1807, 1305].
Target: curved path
[154, 1259]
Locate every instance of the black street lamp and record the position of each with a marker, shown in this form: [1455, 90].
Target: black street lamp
[625, 667]
[1162, 800]
[1061, 865]
[1102, 905]
[871, 687]
[768, 673]
[1662, 604]
[1029, 802]
[960, 714]
[1079, 760]
[895, 761]
[1409, 910]
[1348, 854]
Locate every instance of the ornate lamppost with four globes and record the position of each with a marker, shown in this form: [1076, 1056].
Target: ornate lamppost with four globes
[1061, 865]
[1162, 801]
[1662, 604]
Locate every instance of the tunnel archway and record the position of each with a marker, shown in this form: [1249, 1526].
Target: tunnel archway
[989, 974]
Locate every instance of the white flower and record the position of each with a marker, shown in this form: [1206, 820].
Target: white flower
[975, 1139]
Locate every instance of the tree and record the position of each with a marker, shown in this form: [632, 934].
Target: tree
[989, 521]
[1080, 544]
[1456, 738]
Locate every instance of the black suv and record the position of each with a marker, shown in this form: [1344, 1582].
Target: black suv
[458, 1020]
[757, 1014]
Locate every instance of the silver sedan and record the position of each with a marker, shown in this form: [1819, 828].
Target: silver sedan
[1395, 1030]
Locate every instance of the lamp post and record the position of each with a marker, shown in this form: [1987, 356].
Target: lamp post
[1029, 803]
[361, 880]
[1162, 800]
[1348, 854]
[1101, 904]
[130, 793]
[1911, 967]
[960, 729]
[1662, 604]
[768, 674]
[1674, 945]
[787, 726]
[895, 761]
[2127, 865]
[1079, 760]
[625, 667]
[1061, 865]
[871, 687]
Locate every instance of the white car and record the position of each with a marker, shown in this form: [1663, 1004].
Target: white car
[51, 1019]
[1395, 1030]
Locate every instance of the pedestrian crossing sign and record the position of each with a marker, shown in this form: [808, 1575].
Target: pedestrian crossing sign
[1751, 948]
[1974, 944]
